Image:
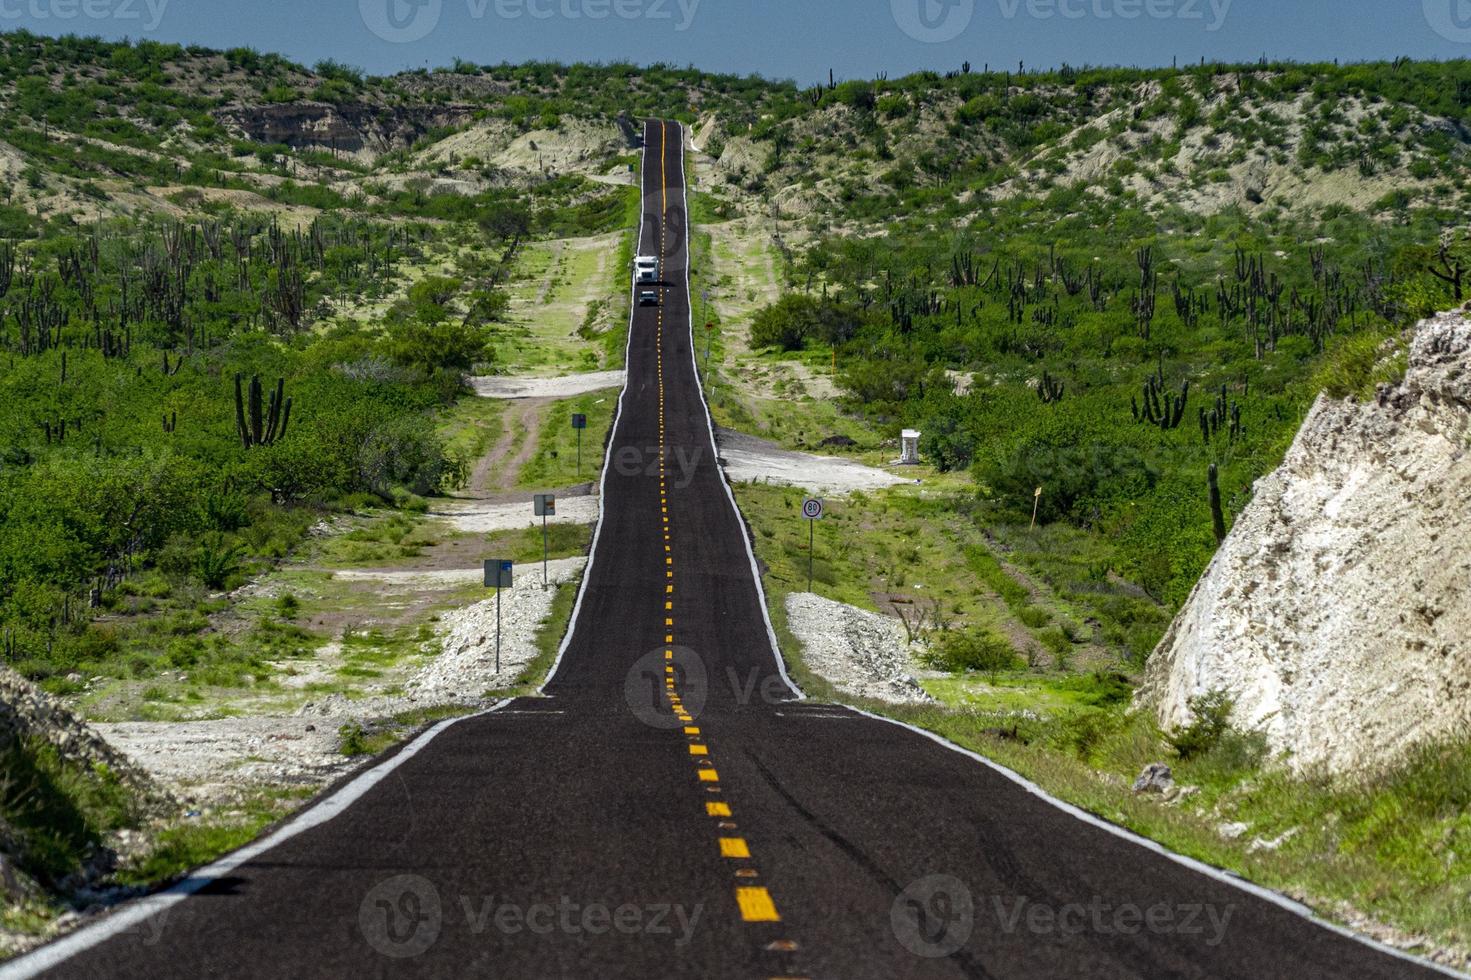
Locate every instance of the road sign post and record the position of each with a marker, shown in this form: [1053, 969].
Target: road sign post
[544, 506]
[709, 329]
[497, 576]
[579, 422]
[812, 510]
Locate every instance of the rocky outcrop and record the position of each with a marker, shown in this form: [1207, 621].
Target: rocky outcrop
[27, 712]
[349, 127]
[1337, 613]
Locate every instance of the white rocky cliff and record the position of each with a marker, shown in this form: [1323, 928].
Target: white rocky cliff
[1338, 611]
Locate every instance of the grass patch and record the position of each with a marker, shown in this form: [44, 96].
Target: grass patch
[524, 545]
[554, 464]
[57, 811]
[188, 843]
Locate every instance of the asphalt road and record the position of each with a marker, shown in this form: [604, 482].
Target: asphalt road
[670, 809]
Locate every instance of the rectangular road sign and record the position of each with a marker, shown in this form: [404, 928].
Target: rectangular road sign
[545, 505]
[579, 421]
[497, 573]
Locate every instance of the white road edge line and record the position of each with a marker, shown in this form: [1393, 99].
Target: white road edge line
[597, 533]
[714, 449]
[1210, 871]
[132, 913]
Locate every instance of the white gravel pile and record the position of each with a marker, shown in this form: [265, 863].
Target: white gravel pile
[466, 668]
[566, 386]
[748, 459]
[858, 652]
[409, 580]
[216, 758]
[477, 517]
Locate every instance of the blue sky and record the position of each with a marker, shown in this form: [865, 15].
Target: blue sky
[798, 39]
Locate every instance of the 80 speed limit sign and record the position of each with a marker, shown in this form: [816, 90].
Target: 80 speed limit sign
[812, 508]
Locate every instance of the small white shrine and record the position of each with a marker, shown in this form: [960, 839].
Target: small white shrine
[909, 447]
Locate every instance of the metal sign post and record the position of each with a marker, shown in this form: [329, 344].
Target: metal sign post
[812, 510]
[497, 576]
[579, 422]
[709, 331]
[544, 506]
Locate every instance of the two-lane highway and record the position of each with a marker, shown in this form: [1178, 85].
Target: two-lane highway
[671, 807]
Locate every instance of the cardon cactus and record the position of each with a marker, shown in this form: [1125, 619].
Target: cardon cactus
[258, 425]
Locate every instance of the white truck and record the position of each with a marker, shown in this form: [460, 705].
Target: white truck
[646, 268]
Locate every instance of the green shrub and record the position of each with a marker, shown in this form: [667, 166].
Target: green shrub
[217, 560]
[974, 650]
[1210, 721]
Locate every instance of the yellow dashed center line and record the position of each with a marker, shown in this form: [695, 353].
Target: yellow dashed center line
[755, 902]
[734, 847]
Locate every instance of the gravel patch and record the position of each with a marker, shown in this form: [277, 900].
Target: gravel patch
[214, 759]
[478, 517]
[434, 579]
[566, 386]
[748, 459]
[858, 652]
[466, 668]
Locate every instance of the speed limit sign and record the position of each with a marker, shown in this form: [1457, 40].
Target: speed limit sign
[812, 508]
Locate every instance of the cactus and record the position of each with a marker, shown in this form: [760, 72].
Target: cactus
[1452, 271]
[1167, 412]
[1049, 390]
[1218, 518]
[258, 427]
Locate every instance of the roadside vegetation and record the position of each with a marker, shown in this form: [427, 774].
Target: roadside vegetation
[1084, 285]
